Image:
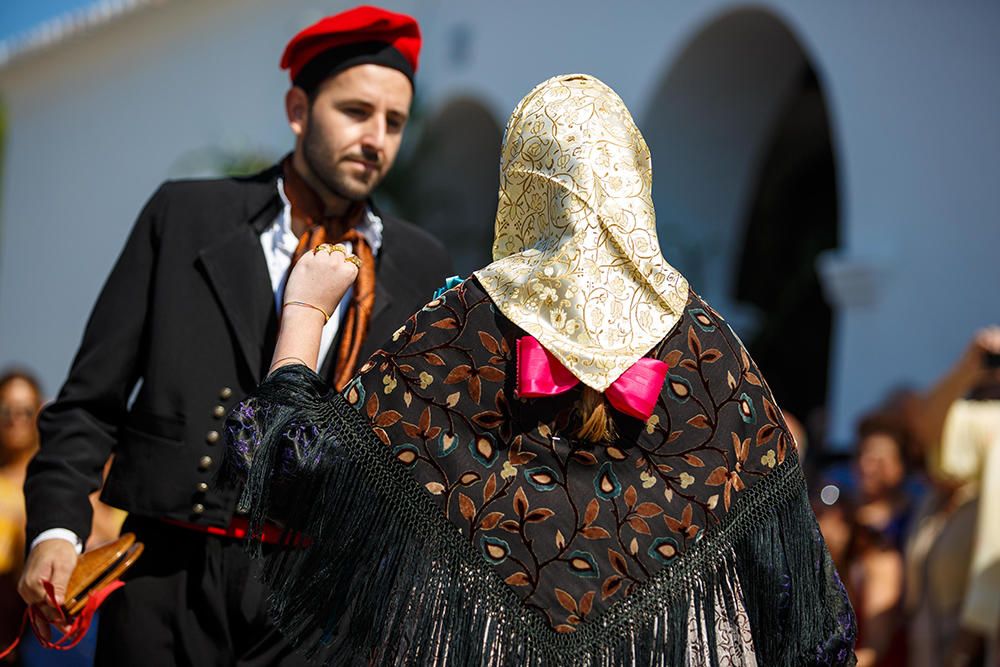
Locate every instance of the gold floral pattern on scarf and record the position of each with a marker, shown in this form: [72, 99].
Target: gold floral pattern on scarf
[577, 263]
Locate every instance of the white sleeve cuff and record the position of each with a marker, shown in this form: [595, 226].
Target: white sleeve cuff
[59, 534]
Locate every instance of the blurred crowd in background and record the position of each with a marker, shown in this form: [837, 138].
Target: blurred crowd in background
[21, 399]
[911, 518]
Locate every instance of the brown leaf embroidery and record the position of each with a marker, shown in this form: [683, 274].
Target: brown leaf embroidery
[693, 343]
[458, 374]
[587, 602]
[711, 356]
[466, 506]
[475, 388]
[488, 419]
[595, 533]
[538, 515]
[771, 411]
[700, 421]
[433, 359]
[593, 508]
[566, 600]
[639, 525]
[718, 476]
[630, 496]
[425, 420]
[490, 521]
[618, 562]
[520, 502]
[610, 586]
[694, 461]
[489, 342]
[490, 487]
[518, 579]
[490, 373]
[647, 510]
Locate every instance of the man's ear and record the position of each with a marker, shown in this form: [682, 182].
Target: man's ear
[297, 110]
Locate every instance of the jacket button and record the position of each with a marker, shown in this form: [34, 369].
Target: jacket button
[225, 393]
[198, 508]
[219, 412]
[202, 487]
[205, 462]
[212, 437]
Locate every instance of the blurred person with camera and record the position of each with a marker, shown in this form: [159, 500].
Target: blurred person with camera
[953, 554]
[187, 322]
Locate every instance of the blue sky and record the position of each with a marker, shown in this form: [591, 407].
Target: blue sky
[17, 16]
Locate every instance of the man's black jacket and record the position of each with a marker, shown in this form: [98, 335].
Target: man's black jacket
[188, 313]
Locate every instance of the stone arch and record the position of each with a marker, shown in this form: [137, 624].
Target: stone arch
[739, 129]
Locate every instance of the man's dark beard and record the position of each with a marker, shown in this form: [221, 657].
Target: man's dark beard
[324, 169]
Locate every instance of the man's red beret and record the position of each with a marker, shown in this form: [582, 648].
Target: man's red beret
[364, 26]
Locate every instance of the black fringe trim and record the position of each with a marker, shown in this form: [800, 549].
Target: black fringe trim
[388, 580]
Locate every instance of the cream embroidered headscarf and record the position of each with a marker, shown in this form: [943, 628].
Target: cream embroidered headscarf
[576, 260]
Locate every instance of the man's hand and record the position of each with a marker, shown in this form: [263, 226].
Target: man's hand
[53, 561]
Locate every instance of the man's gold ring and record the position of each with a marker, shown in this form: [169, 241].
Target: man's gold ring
[353, 259]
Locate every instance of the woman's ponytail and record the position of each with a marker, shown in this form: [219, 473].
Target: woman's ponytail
[594, 416]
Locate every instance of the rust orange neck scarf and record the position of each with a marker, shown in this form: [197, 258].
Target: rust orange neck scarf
[307, 208]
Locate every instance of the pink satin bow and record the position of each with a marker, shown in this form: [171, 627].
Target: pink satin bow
[539, 373]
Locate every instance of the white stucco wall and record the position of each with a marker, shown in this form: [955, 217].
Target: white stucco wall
[95, 122]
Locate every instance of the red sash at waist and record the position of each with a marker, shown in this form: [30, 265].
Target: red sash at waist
[239, 528]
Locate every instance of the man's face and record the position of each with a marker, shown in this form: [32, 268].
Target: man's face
[353, 128]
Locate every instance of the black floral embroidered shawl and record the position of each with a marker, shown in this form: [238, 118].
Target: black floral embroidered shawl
[452, 523]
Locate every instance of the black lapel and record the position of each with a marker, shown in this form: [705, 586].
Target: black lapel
[236, 268]
[386, 271]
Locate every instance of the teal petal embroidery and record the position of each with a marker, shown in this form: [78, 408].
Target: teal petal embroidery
[606, 484]
[702, 319]
[680, 388]
[447, 443]
[494, 549]
[355, 394]
[663, 549]
[583, 565]
[484, 450]
[543, 478]
[406, 454]
[747, 411]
